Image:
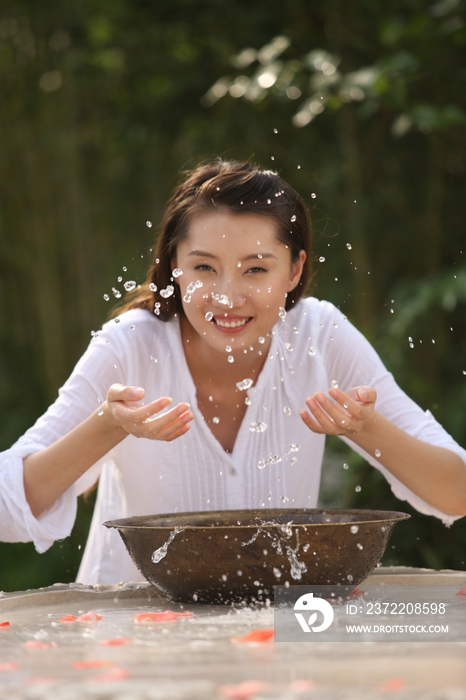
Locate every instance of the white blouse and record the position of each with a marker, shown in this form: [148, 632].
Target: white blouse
[276, 461]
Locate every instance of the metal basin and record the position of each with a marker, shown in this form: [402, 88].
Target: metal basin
[240, 555]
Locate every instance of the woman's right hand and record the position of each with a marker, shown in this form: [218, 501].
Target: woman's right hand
[142, 420]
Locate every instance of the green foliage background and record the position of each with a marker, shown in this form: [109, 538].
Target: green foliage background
[104, 102]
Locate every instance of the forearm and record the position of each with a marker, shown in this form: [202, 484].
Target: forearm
[50, 472]
[435, 474]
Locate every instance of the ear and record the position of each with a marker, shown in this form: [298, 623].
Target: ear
[296, 270]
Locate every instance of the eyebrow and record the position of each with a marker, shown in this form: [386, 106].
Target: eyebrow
[253, 256]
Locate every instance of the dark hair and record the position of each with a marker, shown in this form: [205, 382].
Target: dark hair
[240, 188]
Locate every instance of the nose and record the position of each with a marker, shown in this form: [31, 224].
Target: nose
[228, 295]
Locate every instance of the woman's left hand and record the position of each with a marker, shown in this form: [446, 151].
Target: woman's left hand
[347, 414]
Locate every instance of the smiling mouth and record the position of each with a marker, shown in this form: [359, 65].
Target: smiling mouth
[239, 323]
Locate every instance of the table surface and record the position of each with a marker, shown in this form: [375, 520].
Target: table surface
[194, 658]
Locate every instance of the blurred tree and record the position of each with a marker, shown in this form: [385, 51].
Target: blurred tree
[360, 107]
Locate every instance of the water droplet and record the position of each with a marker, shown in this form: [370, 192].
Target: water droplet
[287, 410]
[313, 195]
[349, 246]
[100, 413]
[116, 293]
[211, 398]
[230, 358]
[334, 384]
[149, 224]
[321, 259]
[377, 453]
[106, 297]
[345, 404]
[349, 577]
[161, 551]
[244, 384]
[129, 285]
[228, 348]
[282, 312]
[269, 201]
[209, 316]
[167, 292]
[312, 350]
[257, 427]
[119, 278]
[216, 420]
[359, 546]
[157, 308]
[354, 529]
[275, 131]
[345, 466]
[132, 327]
[153, 287]
[177, 272]
[293, 218]
[247, 401]
[276, 572]
[357, 489]
[261, 340]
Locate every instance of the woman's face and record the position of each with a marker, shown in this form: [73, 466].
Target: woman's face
[236, 275]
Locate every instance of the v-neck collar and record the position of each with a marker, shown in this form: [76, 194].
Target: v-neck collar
[244, 427]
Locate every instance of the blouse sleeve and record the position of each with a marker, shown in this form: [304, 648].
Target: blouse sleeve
[354, 362]
[102, 364]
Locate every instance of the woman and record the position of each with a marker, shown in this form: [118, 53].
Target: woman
[257, 376]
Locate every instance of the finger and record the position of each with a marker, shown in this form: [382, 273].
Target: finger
[148, 414]
[320, 407]
[311, 422]
[119, 392]
[349, 405]
[177, 428]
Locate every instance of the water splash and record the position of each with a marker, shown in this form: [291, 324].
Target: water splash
[222, 299]
[167, 292]
[245, 384]
[129, 285]
[257, 427]
[190, 289]
[274, 459]
[177, 272]
[159, 553]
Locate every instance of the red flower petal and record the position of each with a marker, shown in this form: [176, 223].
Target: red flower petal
[90, 616]
[160, 616]
[242, 691]
[256, 636]
[36, 644]
[116, 674]
[9, 666]
[392, 685]
[117, 641]
[92, 663]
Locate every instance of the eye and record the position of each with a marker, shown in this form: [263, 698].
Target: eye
[203, 266]
[256, 270]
